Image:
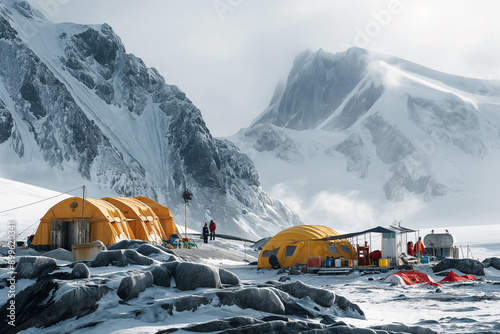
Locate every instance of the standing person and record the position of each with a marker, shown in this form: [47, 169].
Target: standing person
[411, 252]
[419, 249]
[212, 230]
[205, 233]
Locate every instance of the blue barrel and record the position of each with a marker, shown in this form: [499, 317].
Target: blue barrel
[174, 240]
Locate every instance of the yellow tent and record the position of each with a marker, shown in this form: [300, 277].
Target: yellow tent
[164, 214]
[142, 220]
[295, 244]
[73, 221]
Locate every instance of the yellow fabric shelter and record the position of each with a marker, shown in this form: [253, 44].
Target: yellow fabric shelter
[164, 214]
[142, 220]
[105, 223]
[295, 244]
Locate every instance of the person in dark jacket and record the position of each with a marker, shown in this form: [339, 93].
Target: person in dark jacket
[205, 233]
[212, 230]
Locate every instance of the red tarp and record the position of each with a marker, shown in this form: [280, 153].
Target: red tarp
[452, 277]
[414, 277]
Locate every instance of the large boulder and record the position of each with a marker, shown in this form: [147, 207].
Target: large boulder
[148, 249]
[190, 276]
[227, 277]
[34, 266]
[260, 299]
[163, 273]
[492, 262]
[120, 258]
[131, 286]
[466, 266]
[157, 251]
[322, 297]
[80, 270]
[300, 290]
[400, 328]
[190, 303]
[60, 254]
[222, 324]
[50, 301]
[126, 244]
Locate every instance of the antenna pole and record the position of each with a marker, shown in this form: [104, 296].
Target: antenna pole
[83, 204]
[186, 195]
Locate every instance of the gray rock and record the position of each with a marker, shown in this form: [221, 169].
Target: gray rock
[166, 249]
[50, 301]
[148, 249]
[80, 270]
[120, 258]
[190, 303]
[291, 306]
[260, 299]
[126, 244]
[466, 266]
[492, 262]
[300, 290]
[60, 254]
[135, 258]
[222, 324]
[163, 273]
[278, 326]
[34, 266]
[400, 328]
[190, 276]
[227, 277]
[131, 286]
[157, 250]
[322, 297]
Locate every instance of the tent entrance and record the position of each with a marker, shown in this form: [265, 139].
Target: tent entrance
[65, 234]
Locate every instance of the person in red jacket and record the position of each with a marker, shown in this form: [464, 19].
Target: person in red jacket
[419, 249]
[212, 230]
[410, 249]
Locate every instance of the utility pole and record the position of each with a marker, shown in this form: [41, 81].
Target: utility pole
[187, 196]
[83, 203]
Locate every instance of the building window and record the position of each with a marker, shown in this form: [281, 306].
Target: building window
[268, 253]
[345, 248]
[290, 250]
[332, 248]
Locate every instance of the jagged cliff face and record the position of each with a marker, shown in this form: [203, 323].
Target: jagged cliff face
[401, 130]
[75, 105]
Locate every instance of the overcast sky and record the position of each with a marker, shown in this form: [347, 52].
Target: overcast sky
[228, 55]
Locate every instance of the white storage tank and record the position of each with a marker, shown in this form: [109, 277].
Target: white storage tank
[439, 240]
[439, 244]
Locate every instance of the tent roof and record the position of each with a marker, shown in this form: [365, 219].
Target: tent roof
[378, 229]
[141, 210]
[304, 232]
[95, 209]
[161, 211]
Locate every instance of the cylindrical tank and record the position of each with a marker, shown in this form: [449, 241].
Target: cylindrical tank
[439, 240]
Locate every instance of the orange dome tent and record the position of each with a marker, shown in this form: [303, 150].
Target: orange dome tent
[73, 221]
[141, 218]
[164, 214]
[295, 244]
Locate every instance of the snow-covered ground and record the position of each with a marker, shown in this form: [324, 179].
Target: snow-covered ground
[470, 307]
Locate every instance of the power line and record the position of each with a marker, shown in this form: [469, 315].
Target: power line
[27, 228]
[46, 199]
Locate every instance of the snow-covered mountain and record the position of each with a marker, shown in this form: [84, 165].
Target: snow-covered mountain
[76, 109]
[358, 138]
